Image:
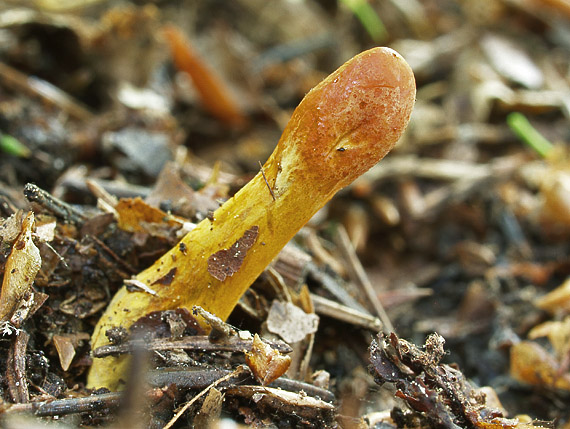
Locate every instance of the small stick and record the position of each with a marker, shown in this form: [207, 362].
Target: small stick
[16, 371]
[336, 287]
[194, 379]
[46, 91]
[356, 266]
[239, 371]
[115, 188]
[101, 193]
[60, 407]
[113, 255]
[197, 343]
[54, 205]
[326, 307]
[266, 182]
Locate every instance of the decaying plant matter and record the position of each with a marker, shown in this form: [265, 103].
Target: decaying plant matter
[341, 128]
[438, 394]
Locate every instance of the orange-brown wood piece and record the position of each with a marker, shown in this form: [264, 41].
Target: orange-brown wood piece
[214, 94]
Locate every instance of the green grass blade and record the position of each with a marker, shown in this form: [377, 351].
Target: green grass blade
[368, 18]
[521, 126]
[13, 146]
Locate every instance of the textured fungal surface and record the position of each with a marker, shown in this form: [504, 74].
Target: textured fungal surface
[342, 127]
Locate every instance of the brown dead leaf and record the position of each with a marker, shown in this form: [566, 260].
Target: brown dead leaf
[555, 187]
[532, 364]
[11, 227]
[65, 350]
[22, 266]
[210, 410]
[556, 301]
[558, 333]
[134, 213]
[171, 188]
[265, 362]
[226, 262]
[65, 346]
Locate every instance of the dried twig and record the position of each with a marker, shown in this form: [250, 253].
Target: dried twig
[57, 207]
[125, 265]
[61, 407]
[196, 343]
[326, 307]
[16, 371]
[195, 379]
[266, 182]
[361, 277]
[239, 371]
[46, 91]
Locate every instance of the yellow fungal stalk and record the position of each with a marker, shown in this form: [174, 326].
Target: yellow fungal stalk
[342, 127]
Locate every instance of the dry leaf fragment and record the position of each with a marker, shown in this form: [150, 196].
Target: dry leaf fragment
[65, 350]
[555, 188]
[134, 214]
[532, 364]
[182, 199]
[22, 266]
[266, 363]
[290, 322]
[11, 227]
[558, 333]
[557, 300]
[66, 345]
[145, 149]
[134, 284]
[45, 231]
[226, 262]
[210, 410]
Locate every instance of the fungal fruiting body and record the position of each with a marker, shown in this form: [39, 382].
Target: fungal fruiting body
[342, 127]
